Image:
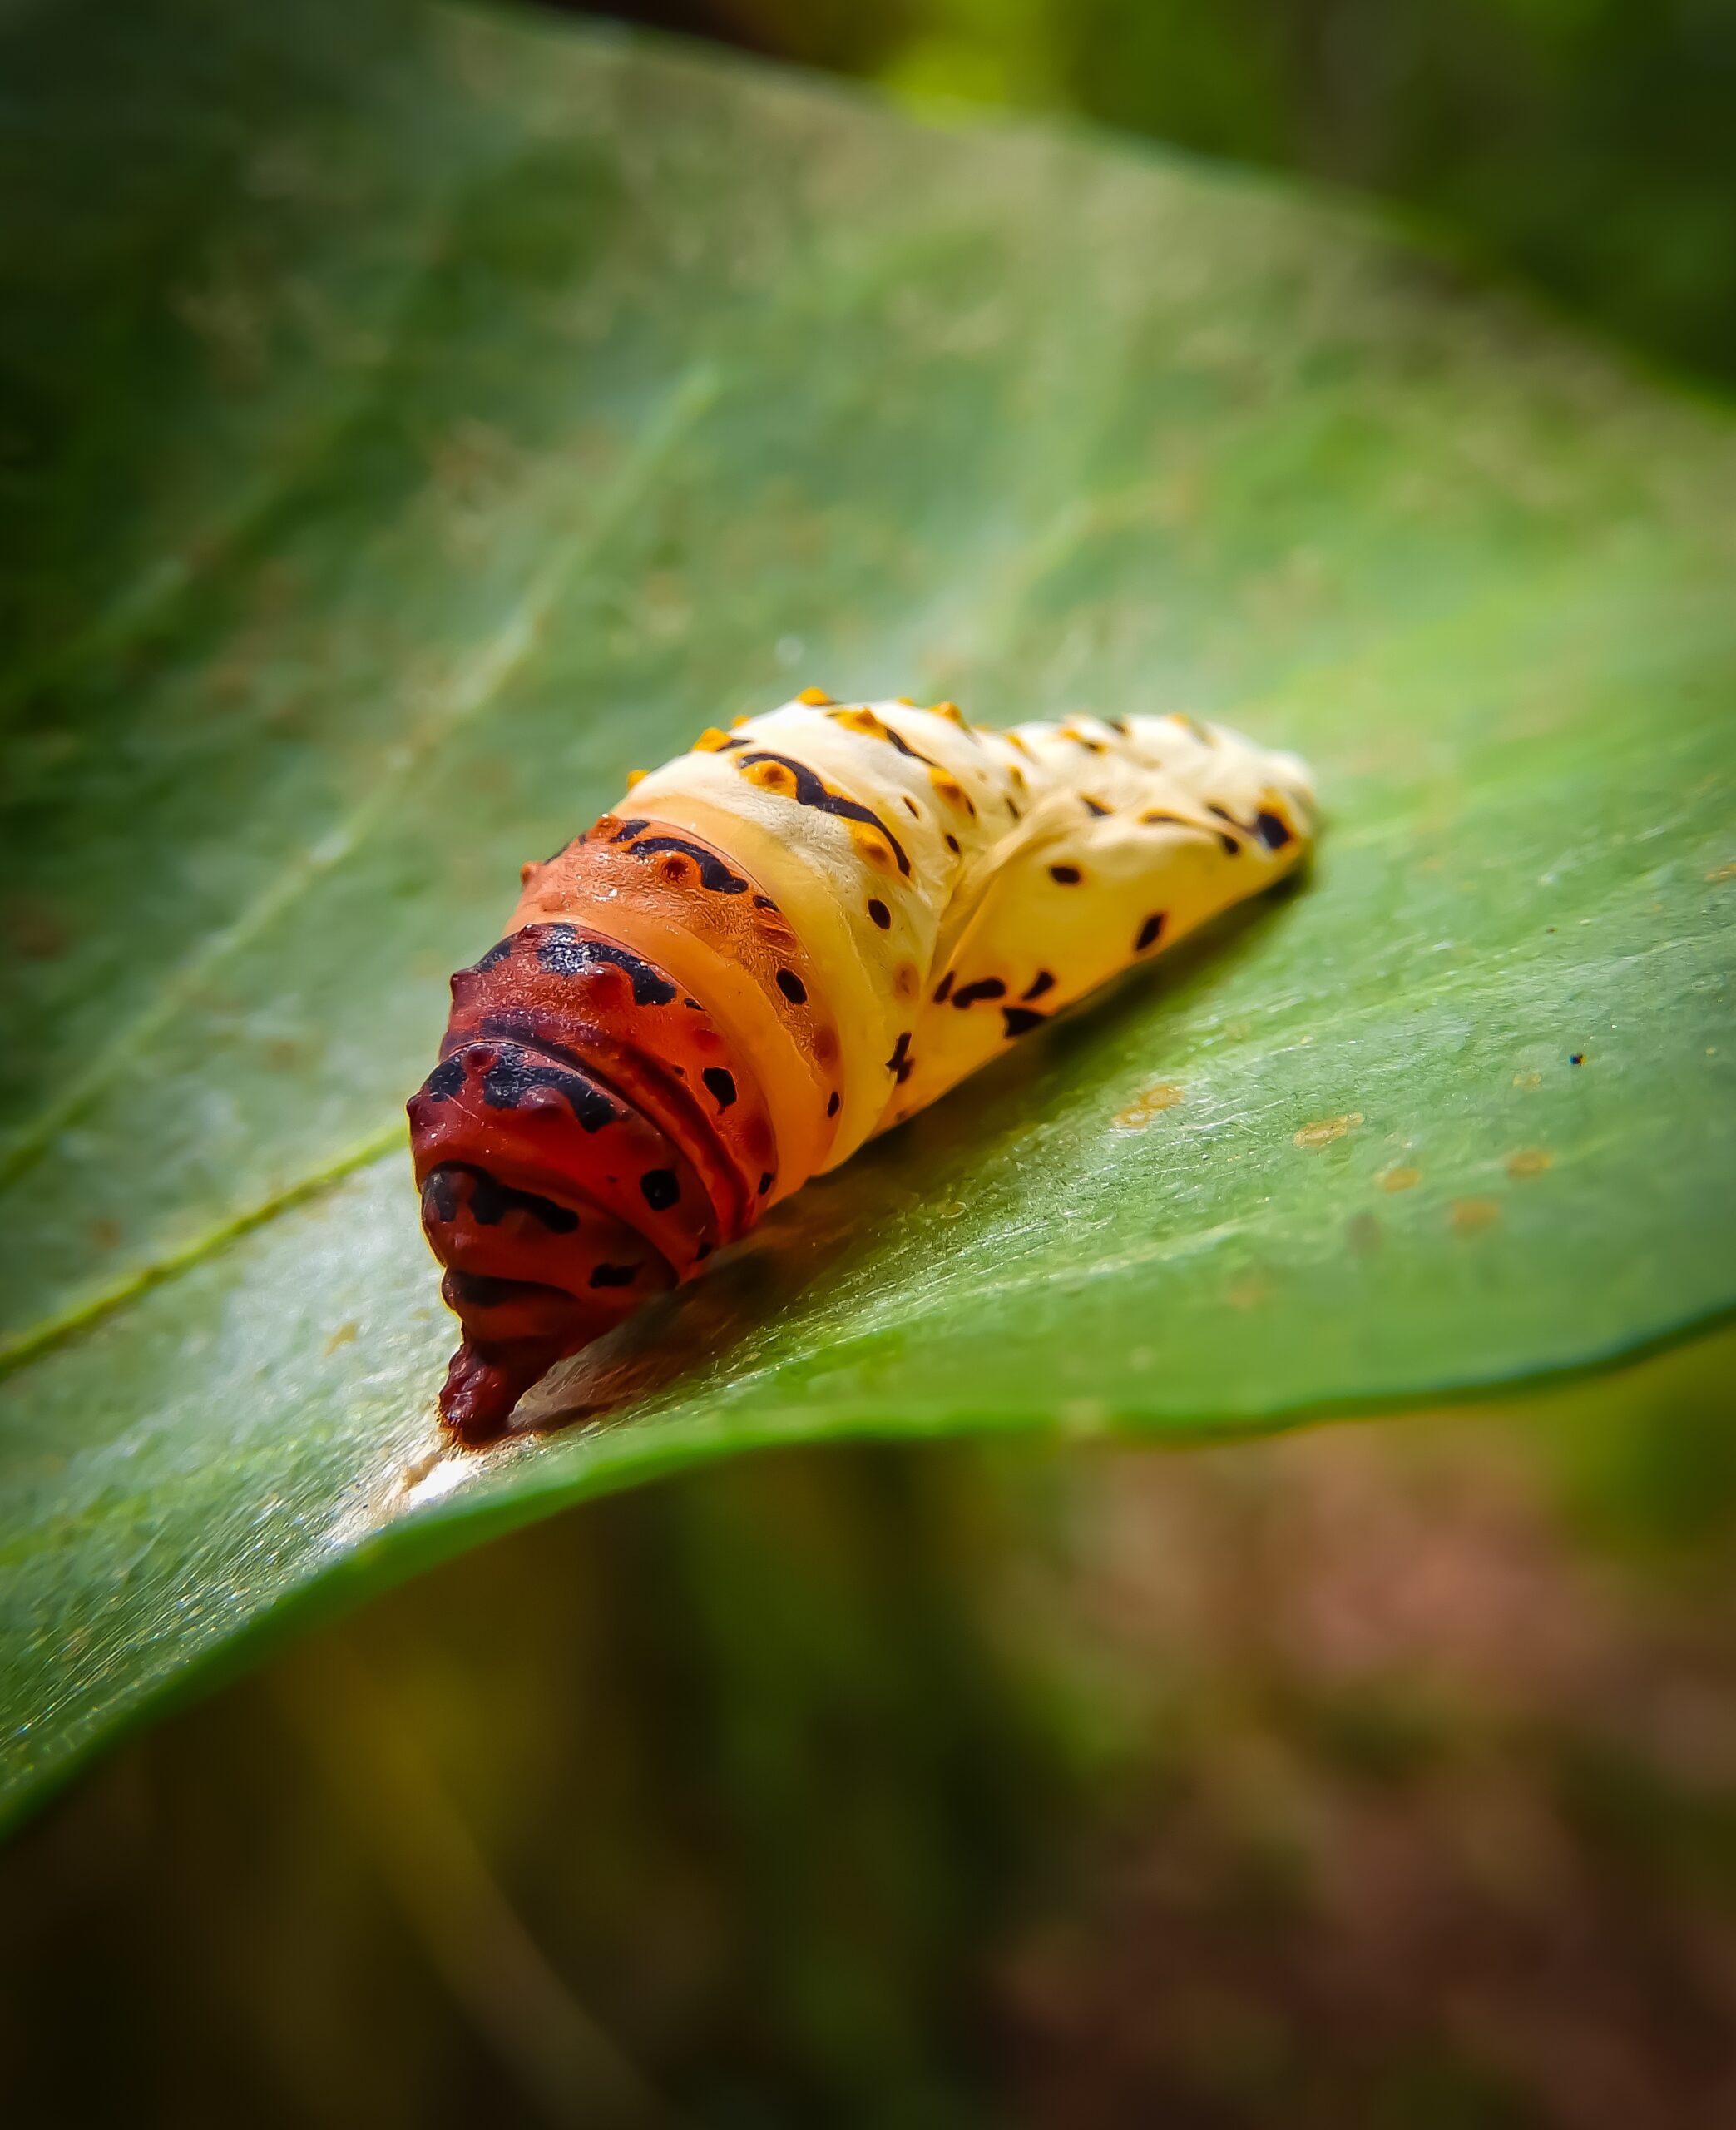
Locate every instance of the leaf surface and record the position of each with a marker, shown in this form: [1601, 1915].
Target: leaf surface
[420, 418]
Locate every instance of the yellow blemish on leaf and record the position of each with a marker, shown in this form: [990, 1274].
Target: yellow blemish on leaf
[1527, 1080]
[1324, 1130]
[1151, 1103]
[344, 1335]
[1402, 1178]
[816, 696]
[1472, 1216]
[1529, 1160]
[1248, 1293]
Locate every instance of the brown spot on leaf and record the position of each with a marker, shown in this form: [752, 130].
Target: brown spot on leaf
[1151, 1103]
[1472, 1216]
[1400, 1178]
[1325, 1130]
[1529, 1160]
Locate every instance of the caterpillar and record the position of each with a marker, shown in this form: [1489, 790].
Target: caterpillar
[779, 943]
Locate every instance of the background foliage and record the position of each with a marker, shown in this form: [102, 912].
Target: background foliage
[1585, 142]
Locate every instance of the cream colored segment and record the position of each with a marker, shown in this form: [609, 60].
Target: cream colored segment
[978, 759]
[825, 840]
[804, 890]
[873, 772]
[1081, 934]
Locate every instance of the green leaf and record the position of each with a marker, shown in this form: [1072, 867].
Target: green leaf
[415, 420]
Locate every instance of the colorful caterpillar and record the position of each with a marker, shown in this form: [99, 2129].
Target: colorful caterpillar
[782, 942]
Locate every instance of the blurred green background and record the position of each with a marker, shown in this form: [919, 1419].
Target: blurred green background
[1586, 144]
[1375, 1776]
[1381, 1775]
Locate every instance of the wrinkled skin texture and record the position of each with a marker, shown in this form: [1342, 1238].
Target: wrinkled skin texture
[787, 940]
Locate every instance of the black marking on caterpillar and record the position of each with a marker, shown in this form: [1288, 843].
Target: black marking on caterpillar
[898, 1064]
[497, 952]
[793, 988]
[985, 987]
[721, 1083]
[445, 1081]
[1066, 876]
[1151, 932]
[564, 953]
[1021, 1019]
[1043, 981]
[615, 1275]
[660, 1188]
[512, 1076]
[478, 1290]
[811, 791]
[491, 1199]
[915, 754]
[628, 829]
[714, 873]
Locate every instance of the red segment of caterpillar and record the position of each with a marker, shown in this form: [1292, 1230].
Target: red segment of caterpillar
[589, 1136]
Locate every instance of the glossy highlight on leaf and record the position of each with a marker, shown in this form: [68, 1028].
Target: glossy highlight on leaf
[433, 416]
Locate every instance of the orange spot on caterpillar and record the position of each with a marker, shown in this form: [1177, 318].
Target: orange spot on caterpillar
[709, 740]
[636, 776]
[870, 846]
[949, 710]
[816, 697]
[861, 720]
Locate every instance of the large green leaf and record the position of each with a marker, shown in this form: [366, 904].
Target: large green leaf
[417, 418]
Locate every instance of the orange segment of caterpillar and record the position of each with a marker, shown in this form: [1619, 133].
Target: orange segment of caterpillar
[786, 940]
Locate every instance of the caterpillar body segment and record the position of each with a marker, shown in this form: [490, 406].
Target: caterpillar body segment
[778, 944]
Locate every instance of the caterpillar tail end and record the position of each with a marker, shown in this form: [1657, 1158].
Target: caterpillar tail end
[576, 1149]
[484, 1382]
